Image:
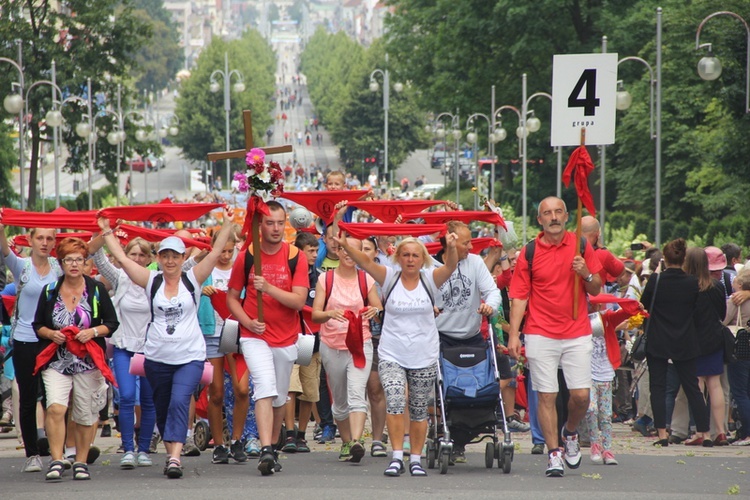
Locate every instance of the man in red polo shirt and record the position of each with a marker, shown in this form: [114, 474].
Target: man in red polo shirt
[553, 338]
[612, 267]
[269, 347]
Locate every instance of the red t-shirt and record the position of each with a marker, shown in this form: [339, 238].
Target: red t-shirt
[282, 323]
[612, 267]
[550, 294]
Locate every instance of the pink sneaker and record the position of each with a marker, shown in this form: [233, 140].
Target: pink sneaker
[609, 458]
[596, 453]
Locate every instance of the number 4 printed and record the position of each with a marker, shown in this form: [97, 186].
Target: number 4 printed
[590, 102]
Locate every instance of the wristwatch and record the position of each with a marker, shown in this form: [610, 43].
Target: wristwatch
[589, 278]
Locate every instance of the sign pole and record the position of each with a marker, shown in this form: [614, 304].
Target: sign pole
[579, 231]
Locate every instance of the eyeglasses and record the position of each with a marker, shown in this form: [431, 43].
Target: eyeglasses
[77, 261]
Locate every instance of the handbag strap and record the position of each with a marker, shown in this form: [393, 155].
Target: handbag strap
[739, 319]
[653, 298]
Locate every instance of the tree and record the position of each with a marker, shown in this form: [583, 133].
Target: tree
[85, 43]
[161, 56]
[8, 161]
[201, 112]
[297, 9]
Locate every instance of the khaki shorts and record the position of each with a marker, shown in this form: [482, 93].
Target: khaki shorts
[89, 393]
[306, 380]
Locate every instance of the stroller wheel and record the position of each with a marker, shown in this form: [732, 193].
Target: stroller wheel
[201, 435]
[489, 455]
[507, 459]
[431, 454]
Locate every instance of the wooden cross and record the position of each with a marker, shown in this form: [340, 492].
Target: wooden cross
[241, 153]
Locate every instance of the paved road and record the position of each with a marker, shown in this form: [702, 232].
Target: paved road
[644, 472]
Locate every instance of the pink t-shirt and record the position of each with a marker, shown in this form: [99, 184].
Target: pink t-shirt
[346, 294]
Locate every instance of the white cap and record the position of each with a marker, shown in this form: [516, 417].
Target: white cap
[172, 243]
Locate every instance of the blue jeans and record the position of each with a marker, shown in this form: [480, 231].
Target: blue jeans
[739, 383]
[537, 437]
[127, 387]
[173, 387]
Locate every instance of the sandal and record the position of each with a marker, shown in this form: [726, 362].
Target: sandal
[81, 472]
[174, 469]
[378, 449]
[415, 469]
[55, 470]
[395, 469]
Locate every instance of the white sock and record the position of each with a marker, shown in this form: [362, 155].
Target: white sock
[70, 451]
[398, 455]
[415, 459]
[189, 432]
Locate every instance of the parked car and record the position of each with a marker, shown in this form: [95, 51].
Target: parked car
[140, 164]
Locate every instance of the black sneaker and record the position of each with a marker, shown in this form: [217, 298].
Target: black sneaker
[237, 451]
[106, 431]
[92, 455]
[221, 455]
[266, 461]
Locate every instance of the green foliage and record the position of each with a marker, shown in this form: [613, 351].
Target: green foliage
[161, 57]
[295, 11]
[85, 42]
[201, 112]
[338, 74]
[8, 161]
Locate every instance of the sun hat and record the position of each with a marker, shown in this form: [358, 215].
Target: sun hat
[716, 259]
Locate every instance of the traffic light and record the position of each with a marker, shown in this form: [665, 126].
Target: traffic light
[380, 157]
[204, 176]
[370, 161]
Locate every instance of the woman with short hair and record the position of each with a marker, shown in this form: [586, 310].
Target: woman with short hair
[72, 318]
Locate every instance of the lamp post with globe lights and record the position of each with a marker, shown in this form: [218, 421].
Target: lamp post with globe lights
[13, 104]
[374, 87]
[471, 138]
[709, 67]
[455, 132]
[238, 87]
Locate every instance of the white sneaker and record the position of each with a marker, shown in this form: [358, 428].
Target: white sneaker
[555, 466]
[596, 453]
[144, 460]
[742, 442]
[128, 460]
[33, 464]
[515, 425]
[571, 451]
[609, 458]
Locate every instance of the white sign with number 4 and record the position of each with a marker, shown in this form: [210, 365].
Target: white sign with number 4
[584, 88]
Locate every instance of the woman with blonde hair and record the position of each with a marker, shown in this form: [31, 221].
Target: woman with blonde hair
[409, 345]
[30, 274]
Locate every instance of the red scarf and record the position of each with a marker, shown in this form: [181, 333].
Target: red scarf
[22, 240]
[58, 219]
[466, 216]
[160, 212]
[580, 161]
[155, 235]
[219, 302]
[321, 203]
[477, 245]
[389, 210]
[355, 338]
[78, 349]
[362, 230]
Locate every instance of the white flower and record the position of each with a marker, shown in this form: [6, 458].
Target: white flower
[251, 172]
[265, 176]
[265, 195]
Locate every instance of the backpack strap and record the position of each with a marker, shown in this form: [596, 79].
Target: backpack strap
[157, 282]
[530, 248]
[292, 259]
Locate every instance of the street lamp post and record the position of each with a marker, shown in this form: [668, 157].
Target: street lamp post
[527, 125]
[456, 134]
[13, 104]
[709, 67]
[471, 138]
[398, 87]
[239, 86]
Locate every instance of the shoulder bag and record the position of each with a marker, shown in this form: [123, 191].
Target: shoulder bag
[638, 351]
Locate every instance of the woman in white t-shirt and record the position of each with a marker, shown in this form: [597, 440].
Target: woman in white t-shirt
[174, 350]
[409, 346]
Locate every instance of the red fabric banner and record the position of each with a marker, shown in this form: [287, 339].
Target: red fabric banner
[362, 230]
[580, 161]
[477, 245]
[58, 219]
[22, 240]
[389, 210]
[321, 203]
[466, 216]
[160, 212]
[155, 235]
[219, 302]
[78, 349]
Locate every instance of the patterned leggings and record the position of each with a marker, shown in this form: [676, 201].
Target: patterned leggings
[251, 427]
[599, 414]
[421, 383]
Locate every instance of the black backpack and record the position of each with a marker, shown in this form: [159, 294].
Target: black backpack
[742, 344]
[159, 279]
